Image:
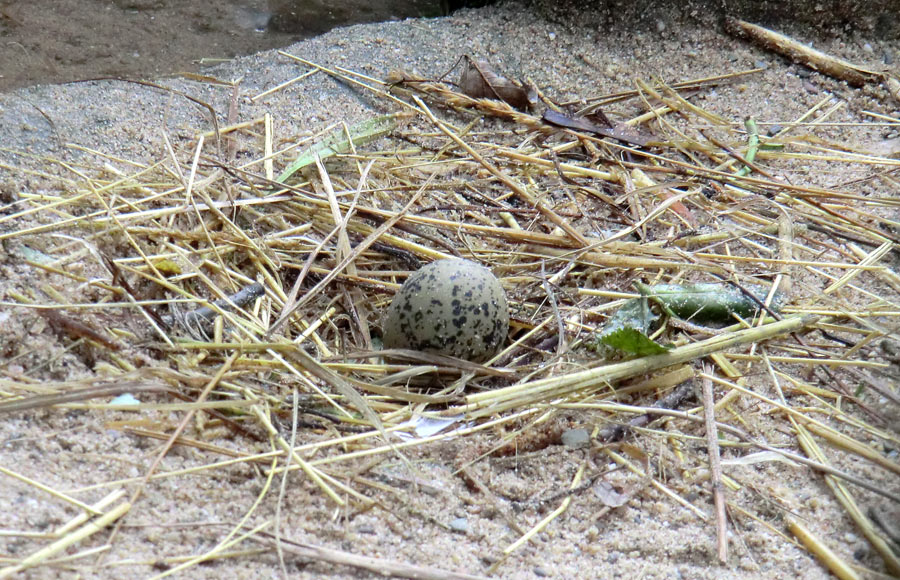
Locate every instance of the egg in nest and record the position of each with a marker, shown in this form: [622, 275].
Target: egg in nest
[452, 307]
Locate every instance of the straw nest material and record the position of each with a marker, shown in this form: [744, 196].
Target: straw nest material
[224, 290]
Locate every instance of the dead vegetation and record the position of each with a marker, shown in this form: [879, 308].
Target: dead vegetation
[249, 301]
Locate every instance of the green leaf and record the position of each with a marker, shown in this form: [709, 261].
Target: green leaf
[632, 341]
[708, 302]
[338, 141]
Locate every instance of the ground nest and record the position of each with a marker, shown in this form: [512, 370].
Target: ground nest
[229, 298]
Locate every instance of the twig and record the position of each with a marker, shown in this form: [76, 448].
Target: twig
[563, 506]
[87, 393]
[210, 385]
[560, 323]
[834, 563]
[491, 402]
[670, 401]
[72, 327]
[284, 478]
[800, 53]
[65, 542]
[374, 565]
[501, 507]
[508, 181]
[712, 443]
[359, 249]
[199, 319]
[818, 466]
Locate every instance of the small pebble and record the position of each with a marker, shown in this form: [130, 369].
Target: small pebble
[747, 563]
[460, 525]
[9, 192]
[888, 57]
[660, 26]
[868, 48]
[576, 438]
[125, 399]
[541, 572]
[889, 347]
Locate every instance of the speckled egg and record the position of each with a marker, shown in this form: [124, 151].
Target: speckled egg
[452, 307]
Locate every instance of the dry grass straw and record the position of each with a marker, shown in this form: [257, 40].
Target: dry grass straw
[566, 219]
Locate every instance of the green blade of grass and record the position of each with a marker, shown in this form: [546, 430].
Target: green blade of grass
[340, 141]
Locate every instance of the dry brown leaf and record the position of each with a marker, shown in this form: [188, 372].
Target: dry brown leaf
[479, 81]
[622, 132]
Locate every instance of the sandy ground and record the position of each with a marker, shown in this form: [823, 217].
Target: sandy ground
[54, 41]
[569, 55]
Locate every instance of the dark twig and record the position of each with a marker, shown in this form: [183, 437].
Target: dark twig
[201, 318]
[75, 328]
[715, 468]
[670, 401]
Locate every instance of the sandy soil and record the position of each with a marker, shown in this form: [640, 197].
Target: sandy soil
[568, 55]
[54, 41]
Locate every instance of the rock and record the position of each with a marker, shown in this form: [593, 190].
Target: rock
[576, 438]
